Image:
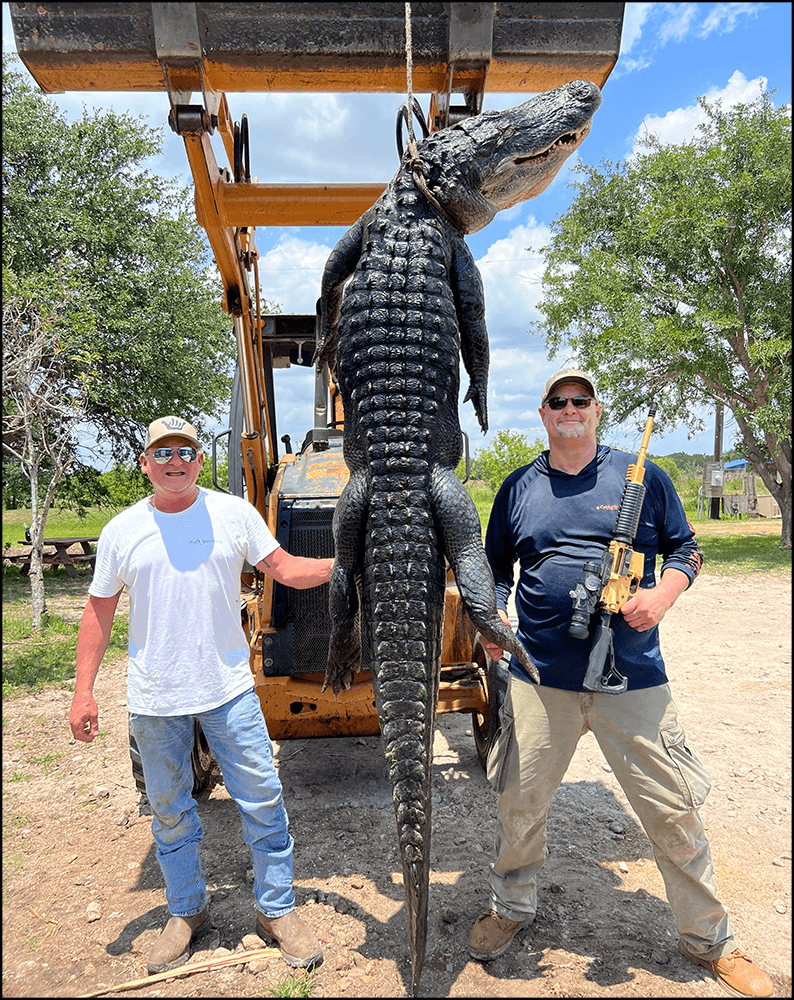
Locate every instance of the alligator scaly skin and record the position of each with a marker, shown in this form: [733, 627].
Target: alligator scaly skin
[393, 334]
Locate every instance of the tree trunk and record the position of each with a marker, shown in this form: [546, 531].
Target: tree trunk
[38, 598]
[784, 502]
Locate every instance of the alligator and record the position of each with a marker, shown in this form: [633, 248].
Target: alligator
[401, 301]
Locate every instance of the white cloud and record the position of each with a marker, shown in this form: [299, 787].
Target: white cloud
[290, 273]
[725, 16]
[649, 26]
[676, 27]
[680, 125]
[511, 275]
[634, 17]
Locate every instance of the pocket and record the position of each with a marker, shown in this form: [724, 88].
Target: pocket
[501, 748]
[694, 781]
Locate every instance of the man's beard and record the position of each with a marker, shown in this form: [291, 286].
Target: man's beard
[570, 430]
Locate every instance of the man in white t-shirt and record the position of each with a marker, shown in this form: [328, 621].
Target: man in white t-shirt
[180, 553]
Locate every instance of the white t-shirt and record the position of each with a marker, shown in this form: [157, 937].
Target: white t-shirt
[188, 651]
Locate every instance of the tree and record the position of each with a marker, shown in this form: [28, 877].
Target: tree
[112, 309]
[669, 276]
[509, 451]
[42, 405]
[82, 211]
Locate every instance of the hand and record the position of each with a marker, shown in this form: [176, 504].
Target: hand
[84, 718]
[649, 605]
[645, 610]
[494, 651]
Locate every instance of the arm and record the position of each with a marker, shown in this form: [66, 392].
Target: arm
[299, 572]
[681, 559]
[92, 642]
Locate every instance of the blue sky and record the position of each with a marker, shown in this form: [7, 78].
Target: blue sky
[670, 54]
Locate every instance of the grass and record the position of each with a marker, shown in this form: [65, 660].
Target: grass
[300, 984]
[31, 660]
[60, 523]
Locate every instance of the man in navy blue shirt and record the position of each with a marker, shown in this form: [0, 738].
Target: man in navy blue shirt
[552, 516]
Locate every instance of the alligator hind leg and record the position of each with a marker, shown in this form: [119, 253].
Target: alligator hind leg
[459, 525]
[344, 650]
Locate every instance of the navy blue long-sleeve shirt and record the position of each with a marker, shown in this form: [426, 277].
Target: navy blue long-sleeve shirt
[552, 523]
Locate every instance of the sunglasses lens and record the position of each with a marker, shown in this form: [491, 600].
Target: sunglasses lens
[164, 455]
[560, 402]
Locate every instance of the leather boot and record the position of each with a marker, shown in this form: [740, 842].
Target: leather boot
[172, 948]
[299, 947]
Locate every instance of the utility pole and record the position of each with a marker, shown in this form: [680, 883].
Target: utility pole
[718, 423]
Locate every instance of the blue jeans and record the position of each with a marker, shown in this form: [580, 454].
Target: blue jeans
[238, 738]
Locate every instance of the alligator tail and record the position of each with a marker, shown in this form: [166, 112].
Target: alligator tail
[403, 612]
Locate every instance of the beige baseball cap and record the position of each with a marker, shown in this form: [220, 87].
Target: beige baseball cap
[570, 375]
[165, 427]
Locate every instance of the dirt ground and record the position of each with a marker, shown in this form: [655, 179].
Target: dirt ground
[83, 897]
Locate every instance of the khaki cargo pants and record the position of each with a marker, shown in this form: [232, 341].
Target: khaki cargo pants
[644, 744]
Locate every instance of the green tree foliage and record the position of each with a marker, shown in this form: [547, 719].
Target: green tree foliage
[670, 275]
[668, 465]
[88, 226]
[509, 451]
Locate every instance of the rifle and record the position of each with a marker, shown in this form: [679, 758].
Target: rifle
[607, 585]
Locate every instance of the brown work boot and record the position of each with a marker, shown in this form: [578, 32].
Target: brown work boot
[736, 973]
[491, 935]
[299, 947]
[172, 948]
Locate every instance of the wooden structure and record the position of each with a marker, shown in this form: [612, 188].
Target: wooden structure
[59, 554]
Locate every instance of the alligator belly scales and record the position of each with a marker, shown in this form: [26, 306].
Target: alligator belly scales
[401, 302]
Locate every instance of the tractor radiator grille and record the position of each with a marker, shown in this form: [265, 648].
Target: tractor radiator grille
[309, 534]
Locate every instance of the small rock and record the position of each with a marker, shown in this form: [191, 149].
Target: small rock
[93, 911]
[660, 957]
[249, 875]
[252, 942]
[616, 827]
[779, 862]
[100, 792]
[623, 868]
[259, 965]
[554, 887]
[641, 894]
[779, 906]
[354, 826]
[448, 915]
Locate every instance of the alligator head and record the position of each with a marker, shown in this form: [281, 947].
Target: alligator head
[498, 158]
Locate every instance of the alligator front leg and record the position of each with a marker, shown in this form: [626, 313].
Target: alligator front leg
[338, 268]
[470, 308]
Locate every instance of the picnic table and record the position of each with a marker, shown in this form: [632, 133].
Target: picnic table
[61, 556]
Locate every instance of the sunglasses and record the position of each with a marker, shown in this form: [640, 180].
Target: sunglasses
[560, 402]
[164, 455]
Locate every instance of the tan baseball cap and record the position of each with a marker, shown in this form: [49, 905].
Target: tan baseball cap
[570, 375]
[165, 427]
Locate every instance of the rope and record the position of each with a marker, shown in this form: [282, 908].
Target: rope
[417, 168]
[409, 73]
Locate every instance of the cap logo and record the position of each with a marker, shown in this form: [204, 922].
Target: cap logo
[173, 423]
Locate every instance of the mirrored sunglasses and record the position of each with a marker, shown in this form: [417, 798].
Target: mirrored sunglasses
[560, 402]
[163, 455]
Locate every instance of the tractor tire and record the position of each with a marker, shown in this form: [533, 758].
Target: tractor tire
[494, 677]
[201, 760]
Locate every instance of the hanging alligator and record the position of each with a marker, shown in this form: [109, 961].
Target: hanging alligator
[401, 301]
